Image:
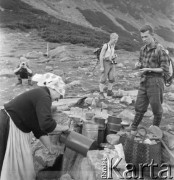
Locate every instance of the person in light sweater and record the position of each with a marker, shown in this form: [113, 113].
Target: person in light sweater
[107, 65]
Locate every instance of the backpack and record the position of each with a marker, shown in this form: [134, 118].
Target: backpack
[98, 51]
[169, 80]
[170, 75]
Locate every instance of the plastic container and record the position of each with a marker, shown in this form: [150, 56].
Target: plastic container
[100, 121]
[101, 135]
[78, 142]
[101, 129]
[89, 115]
[113, 128]
[114, 120]
[90, 130]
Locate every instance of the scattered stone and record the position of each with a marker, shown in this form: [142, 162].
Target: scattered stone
[170, 96]
[65, 59]
[60, 51]
[148, 113]
[120, 65]
[127, 100]
[167, 109]
[113, 139]
[74, 83]
[48, 68]
[58, 72]
[126, 115]
[88, 100]
[34, 55]
[83, 69]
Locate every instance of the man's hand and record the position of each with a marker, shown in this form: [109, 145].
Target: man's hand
[20, 65]
[115, 56]
[54, 150]
[143, 70]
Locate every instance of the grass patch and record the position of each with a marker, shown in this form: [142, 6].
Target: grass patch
[166, 33]
[19, 15]
[100, 20]
[127, 26]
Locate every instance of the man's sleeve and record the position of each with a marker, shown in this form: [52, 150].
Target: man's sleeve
[164, 63]
[43, 110]
[141, 58]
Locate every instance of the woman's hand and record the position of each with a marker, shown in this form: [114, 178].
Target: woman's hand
[61, 128]
[53, 108]
[54, 150]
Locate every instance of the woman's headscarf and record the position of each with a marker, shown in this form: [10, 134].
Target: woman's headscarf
[50, 80]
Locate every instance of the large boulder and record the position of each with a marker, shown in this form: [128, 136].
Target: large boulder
[34, 55]
[61, 52]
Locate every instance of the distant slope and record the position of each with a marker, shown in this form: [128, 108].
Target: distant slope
[90, 21]
[19, 15]
[115, 15]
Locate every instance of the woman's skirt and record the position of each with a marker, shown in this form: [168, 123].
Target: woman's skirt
[18, 160]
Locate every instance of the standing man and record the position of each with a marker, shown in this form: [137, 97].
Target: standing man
[107, 65]
[154, 67]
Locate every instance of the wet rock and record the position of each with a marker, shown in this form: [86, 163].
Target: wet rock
[66, 177]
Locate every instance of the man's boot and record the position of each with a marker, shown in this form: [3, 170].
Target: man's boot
[101, 87]
[101, 95]
[137, 119]
[110, 93]
[157, 120]
[19, 82]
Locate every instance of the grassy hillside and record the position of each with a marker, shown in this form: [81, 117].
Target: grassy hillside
[22, 16]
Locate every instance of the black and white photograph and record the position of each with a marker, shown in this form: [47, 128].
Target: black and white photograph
[86, 89]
